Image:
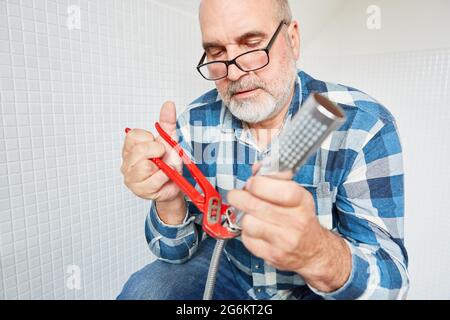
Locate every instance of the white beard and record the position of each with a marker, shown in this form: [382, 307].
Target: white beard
[251, 111]
[269, 104]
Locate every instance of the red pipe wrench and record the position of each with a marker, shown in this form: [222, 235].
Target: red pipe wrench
[218, 218]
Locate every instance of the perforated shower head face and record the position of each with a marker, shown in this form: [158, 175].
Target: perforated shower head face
[303, 134]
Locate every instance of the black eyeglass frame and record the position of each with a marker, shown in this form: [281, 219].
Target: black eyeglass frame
[231, 62]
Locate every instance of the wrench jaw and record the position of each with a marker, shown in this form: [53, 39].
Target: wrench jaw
[218, 222]
[232, 220]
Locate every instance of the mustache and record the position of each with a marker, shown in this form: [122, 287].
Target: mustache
[245, 85]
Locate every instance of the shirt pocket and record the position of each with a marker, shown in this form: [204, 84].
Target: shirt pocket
[323, 199]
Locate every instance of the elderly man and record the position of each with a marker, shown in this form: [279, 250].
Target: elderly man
[333, 232]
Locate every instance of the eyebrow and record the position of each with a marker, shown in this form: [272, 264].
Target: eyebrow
[240, 39]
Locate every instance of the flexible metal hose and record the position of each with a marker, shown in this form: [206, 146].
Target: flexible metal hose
[213, 269]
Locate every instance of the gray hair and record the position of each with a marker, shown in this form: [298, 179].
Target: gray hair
[284, 12]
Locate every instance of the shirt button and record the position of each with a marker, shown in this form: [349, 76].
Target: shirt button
[256, 266]
[259, 290]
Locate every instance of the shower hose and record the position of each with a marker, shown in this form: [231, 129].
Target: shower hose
[213, 269]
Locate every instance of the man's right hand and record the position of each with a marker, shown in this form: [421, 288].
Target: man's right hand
[143, 177]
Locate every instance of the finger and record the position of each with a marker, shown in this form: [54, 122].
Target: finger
[153, 184]
[258, 208]
[141, 171]
[134, 137]
[168, 119]
[261, 231]
[257, 228]
[143, 150]
[249, 204]
[279, 192]
[257, 247]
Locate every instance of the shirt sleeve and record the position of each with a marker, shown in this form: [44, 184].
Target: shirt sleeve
[174, 244]
[370, 214]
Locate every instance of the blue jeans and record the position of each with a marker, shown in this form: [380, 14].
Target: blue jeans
[164, 281]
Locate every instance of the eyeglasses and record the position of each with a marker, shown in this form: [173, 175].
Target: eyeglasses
[249, 61]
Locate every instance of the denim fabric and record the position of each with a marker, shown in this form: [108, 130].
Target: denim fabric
[165, 281]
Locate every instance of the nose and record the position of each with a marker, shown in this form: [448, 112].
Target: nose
[234, 73]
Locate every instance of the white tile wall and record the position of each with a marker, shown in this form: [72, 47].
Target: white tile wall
[66, 97]
[415, 86]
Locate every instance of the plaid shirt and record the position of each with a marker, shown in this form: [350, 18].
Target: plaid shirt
[356, 179]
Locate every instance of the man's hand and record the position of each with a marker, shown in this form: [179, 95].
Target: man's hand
[144, 178]
[281, 227]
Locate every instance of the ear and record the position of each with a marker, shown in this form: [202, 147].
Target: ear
[294, 38]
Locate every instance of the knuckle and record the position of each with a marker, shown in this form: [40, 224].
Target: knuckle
[256, 205]
[291, 244]
[150, 148]
[127, 145]
[127, 183]
[145, 166]
[245, 222]
[146, 194]
[141, 194]
[232, 196]
[292, 193]
[275, 256]
[141, 167]
[259, 179]
[298, 225]
[125, 151]
[154, 184]
[160, 149]
[256, 182]
[141, 134]
[140, 148]
[140, 171]
[246, 240]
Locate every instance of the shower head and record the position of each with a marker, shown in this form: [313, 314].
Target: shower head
[317, 118]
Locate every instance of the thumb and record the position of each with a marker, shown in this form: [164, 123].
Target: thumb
[168, 122]
[168, 119]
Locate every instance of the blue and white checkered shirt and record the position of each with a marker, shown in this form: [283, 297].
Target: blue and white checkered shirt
[356, 179]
